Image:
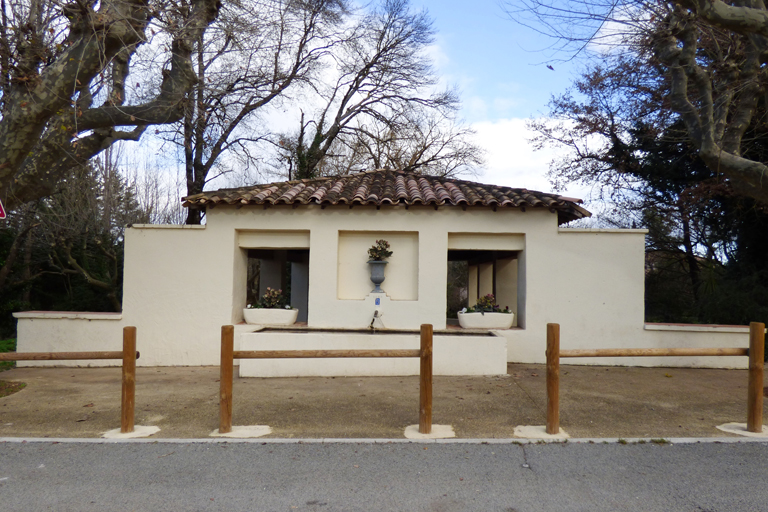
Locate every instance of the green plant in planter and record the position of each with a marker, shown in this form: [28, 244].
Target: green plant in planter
[379, 251]
[273, 299]
[487, 304]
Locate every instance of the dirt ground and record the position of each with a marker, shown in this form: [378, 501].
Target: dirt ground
[183, 402]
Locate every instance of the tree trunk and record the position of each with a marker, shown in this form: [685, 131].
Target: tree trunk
[690, 258]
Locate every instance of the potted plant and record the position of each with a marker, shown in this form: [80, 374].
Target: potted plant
[271, 309]
[486, 314]
[377, 255]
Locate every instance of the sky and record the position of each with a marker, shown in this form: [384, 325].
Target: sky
[500, 69]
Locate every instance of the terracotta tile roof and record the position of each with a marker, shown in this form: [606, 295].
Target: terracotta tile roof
[384, 187]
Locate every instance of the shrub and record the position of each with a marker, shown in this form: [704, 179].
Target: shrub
[271, 300]
[487, 304]
[379, 251]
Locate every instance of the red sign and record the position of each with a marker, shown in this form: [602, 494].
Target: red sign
[2, 211]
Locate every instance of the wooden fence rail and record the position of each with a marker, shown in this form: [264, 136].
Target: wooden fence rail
[756, 353]
[58, 356]
[129, 355]
[303, 354]
[228, 355]
[655, 352]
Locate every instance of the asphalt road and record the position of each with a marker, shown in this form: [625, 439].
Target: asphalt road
[189, 476]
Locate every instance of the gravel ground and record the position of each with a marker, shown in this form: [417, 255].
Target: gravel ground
[183, 402]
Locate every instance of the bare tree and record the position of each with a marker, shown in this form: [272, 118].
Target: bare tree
[64, 80]
[383, 76]
[157, 193]
[251, 57]
[75, 235]
[712, 54]
[83, 226]
[362, 74]
[20, 227]
[427, 142]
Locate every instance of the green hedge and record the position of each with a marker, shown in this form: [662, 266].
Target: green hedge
[8, 345]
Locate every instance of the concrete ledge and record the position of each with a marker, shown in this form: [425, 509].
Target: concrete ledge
[628, 231]
[453, 355]
[74, 315]
[450, 331]
[167, 226]
[713, 328]
[385, 440]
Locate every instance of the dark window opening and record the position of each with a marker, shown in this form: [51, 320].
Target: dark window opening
[283, 269]
[476, 273]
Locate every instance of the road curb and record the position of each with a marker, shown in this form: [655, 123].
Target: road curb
[595, 440]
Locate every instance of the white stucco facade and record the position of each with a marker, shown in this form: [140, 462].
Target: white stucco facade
[182, 283]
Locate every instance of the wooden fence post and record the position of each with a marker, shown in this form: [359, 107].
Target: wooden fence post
[128, 399]
[755, 387]
[425, 386]
[226, 366]
[553, 378]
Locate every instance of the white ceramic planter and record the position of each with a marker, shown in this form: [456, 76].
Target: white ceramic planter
[263, 316]
[486, 320]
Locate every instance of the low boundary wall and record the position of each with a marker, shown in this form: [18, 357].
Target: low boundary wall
[649, 335]
[127, 356]
[755, 353]
[424, 353]
[457, 353]
[454, 354]
[65, 331]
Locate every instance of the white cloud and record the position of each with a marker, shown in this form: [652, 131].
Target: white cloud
[437, 55]
[511, 159]
[501, 104]
[476, 107]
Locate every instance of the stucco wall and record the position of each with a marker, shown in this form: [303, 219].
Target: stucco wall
[326, 309]
[506, 289]
[452, 355]
[689, 336]
[591, 282]
[402, 272]
[51, 331]
[182, 282]
[179, 290]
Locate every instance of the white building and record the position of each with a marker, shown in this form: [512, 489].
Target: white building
[182, 283]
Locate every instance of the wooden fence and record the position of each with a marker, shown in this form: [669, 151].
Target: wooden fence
[228, 354]
[756, 353]
[129, 355]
